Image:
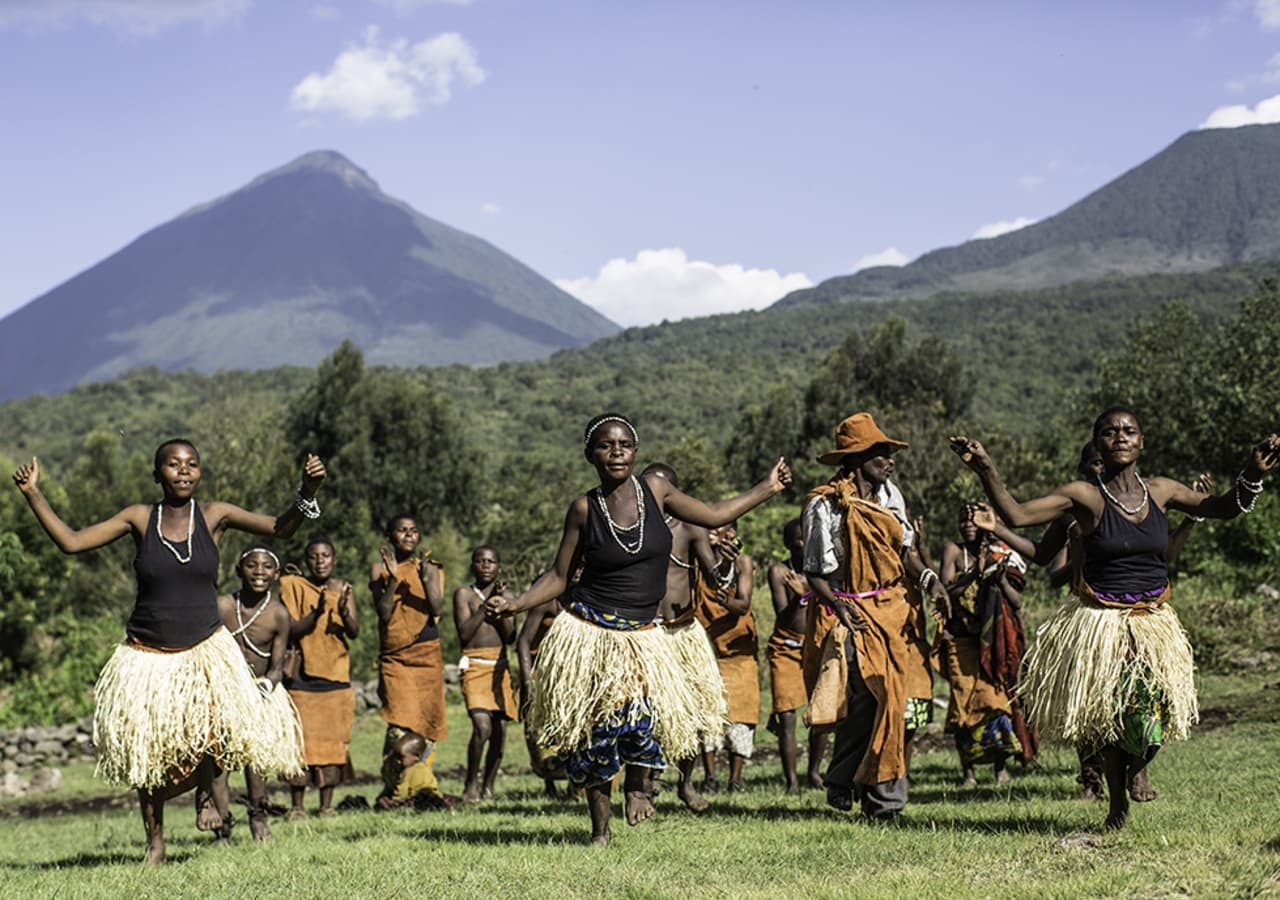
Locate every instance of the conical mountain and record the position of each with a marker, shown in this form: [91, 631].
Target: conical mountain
[1209, 199]
[280, 272]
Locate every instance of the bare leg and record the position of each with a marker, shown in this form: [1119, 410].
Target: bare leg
[710, 783]
[256, 782]
[736, 762]
[480, 731]
[688, 796]
[497, 745]
[326, 800]
[1114, 769]
[908, 750]
[1090, 777]
[600, 804]
[152, 806]
[213, 795]
[818, 741]
[549, 789]
[1002, 770]
[639, 804]
[1140, 789]
[786, 731]
[297, 796]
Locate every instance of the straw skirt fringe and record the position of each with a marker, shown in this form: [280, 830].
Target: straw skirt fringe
[586, 673]
[159, 713]
[700, 672]
[1089, 664]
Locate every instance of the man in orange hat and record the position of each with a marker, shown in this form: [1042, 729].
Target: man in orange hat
[861, 570]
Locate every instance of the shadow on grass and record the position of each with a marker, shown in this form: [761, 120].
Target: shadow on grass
[453, 832]
[92, 861]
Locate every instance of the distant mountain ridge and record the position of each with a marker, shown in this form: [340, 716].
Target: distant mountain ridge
[279, 272]
[1209, 199]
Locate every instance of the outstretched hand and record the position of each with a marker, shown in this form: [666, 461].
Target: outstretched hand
[971, 452]
[1203, 483]
[983, 516]
[497, 606]
[1265, 455]
[27, 476]
[313, 474]
[780, 475]
[388, 561]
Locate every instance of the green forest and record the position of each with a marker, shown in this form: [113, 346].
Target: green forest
[492, 455]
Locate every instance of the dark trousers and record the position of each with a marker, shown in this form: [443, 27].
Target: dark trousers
[853, 737]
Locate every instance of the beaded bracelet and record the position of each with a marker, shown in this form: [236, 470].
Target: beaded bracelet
[308, 507]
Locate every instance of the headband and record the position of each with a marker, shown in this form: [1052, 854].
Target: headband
[607, 419]
[260, 550]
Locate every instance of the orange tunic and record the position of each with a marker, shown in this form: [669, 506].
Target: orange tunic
[326, 714]
[410, 663]
[733, 637]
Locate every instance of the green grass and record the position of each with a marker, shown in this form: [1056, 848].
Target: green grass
[1214, 831]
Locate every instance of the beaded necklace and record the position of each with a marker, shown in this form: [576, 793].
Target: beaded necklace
[617, 532]
[1146, 495]
[243, 625]
[191, 527]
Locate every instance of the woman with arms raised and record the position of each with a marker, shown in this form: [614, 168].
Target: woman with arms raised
[176, 703]
[606, 691]
[1113, 668]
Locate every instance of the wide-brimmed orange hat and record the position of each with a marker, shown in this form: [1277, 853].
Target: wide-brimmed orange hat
[857, 433]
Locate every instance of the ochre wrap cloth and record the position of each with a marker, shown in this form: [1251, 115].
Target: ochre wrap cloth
[733, 638]
[486, 681]
[786, 673]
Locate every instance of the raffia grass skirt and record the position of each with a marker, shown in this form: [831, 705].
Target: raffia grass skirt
[159, 713]
[585, 673]
[1090, 664]
[700, 672]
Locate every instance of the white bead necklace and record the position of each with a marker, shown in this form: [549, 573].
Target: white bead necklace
[191, 527]
[262, 605]
[1146, 495]
[613, 526]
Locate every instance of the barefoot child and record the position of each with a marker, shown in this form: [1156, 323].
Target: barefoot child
[324, 619]
[485, 671]
[407, 776]
[260, 625]
[789, 589]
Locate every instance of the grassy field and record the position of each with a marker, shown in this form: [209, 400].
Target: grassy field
[1215, 830]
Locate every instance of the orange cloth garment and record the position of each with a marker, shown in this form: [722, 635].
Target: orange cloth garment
[973, 697]
[733, 638]
[486, 681]
[411, 668]
[818, 622]
[786, 675]
[873, 563]
[324, 649]
[326, 725]
[919, 655]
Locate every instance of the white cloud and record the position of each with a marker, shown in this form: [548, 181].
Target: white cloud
[1268, 13]
[490, 209]
[367, 81]
[995, 229]
[135, 16]
[404, 7]
[324, 12]
[1265, 112]
[666, 284]
[890, 256]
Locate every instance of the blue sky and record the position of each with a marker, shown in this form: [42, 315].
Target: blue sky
[658, 159]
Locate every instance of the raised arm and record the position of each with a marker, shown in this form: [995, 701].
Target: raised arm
[721, 512]
[221, 516]
[1018, 515]
[553, 582]
[740, 602]
[431, 574]
[1237, 498]
[382, 584]
[70, 540]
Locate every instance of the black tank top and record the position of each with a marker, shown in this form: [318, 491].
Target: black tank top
[177, 603]
[1123, 557]
[615, 581]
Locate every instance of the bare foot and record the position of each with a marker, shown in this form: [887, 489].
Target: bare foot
[155, 852]
[691, 798]
[471, 794]
[1003, 777]
[297, 814]
[487, 793]
[258, 828]
[793, 787]
[1091, 793]
[326, 811]
[639, 807]
[1119, 813]
[602, 839]
[815, 781]
[970, 780]
[549, 790]
[207, 818]
[1140, 790]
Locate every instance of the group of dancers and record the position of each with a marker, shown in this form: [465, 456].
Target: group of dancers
[639, 648]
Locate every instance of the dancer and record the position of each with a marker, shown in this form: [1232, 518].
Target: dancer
[260, 625]
[855, 563]
[724, 609]
[691, 554]
[325, 618]
[408, 593]
[607, 690]
[981, 647]
[1113, 668]
[789, 589]
[200, 715]
[485, 672]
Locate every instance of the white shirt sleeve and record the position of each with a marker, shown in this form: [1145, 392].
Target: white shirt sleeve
[823, 537]
[891, 499]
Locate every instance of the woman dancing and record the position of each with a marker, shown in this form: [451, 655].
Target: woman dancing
[606, 691]
[176, 703]
[1113, 668]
